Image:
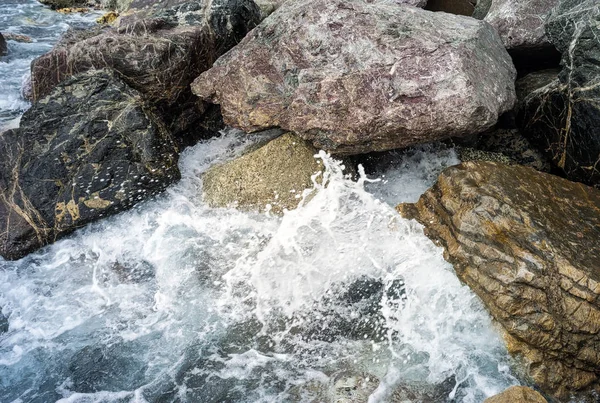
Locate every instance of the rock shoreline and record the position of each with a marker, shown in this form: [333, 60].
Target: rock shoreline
[115, 104]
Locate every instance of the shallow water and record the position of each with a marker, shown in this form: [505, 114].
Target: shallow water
[176, 301]
[44, 26]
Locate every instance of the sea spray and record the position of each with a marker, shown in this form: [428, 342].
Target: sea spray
[176, 301]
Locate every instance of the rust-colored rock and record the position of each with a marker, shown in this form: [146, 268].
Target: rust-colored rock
[528, 244]
[355, 76]
[517, 394]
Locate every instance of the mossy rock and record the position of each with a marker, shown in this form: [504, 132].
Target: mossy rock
[272, 177]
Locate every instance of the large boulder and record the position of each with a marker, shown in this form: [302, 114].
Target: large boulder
[272, 177]
[517, 394]
[562, 116]
[90, 149]
[520, 23]
[528, 244]
[354, 76]
[158, 51]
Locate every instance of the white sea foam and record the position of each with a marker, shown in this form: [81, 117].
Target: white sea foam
[194, 303]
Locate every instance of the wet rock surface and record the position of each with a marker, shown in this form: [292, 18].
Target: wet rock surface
[158, 51]
[275, 175]
[508, 146]
[517, 394]
[356, 76]
[562, 116]
[90, 149]
[527, 243]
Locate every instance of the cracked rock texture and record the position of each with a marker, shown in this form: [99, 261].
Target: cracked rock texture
[562, 116]
[158, 50]
[276, 174]
[90, 149]
[528, 244]
[520, 23]
[354, 76]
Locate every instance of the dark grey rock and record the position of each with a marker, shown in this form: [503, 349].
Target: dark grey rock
[563, 116]
[158, 49]
[481, 9]
[357, 76]
[3, 46]
[90, 149]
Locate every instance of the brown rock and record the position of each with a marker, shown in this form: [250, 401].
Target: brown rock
[528, 244]
[517, 394]
[275, 175]
[354, 76]
[158, 53]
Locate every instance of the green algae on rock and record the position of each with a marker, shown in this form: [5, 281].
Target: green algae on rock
[528, 244]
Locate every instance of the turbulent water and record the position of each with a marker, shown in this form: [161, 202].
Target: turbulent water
[44, 27]
[174, 301]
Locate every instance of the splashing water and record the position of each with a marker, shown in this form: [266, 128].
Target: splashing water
[176, 301]
[44, 27]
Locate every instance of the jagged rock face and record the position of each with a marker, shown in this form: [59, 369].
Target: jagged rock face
[520, 23]
[267, 7]
[528, 244]
[563, 116]
[90, 149]
[158, 51]
[275, 175]
[517, 394]
[356, 76]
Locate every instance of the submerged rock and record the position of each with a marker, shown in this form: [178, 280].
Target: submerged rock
[528, 244]
[274, 175]
[517, 394]
[90, 149]
[520, 23]
[562, 116]
[60, 4]
[357, 76]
